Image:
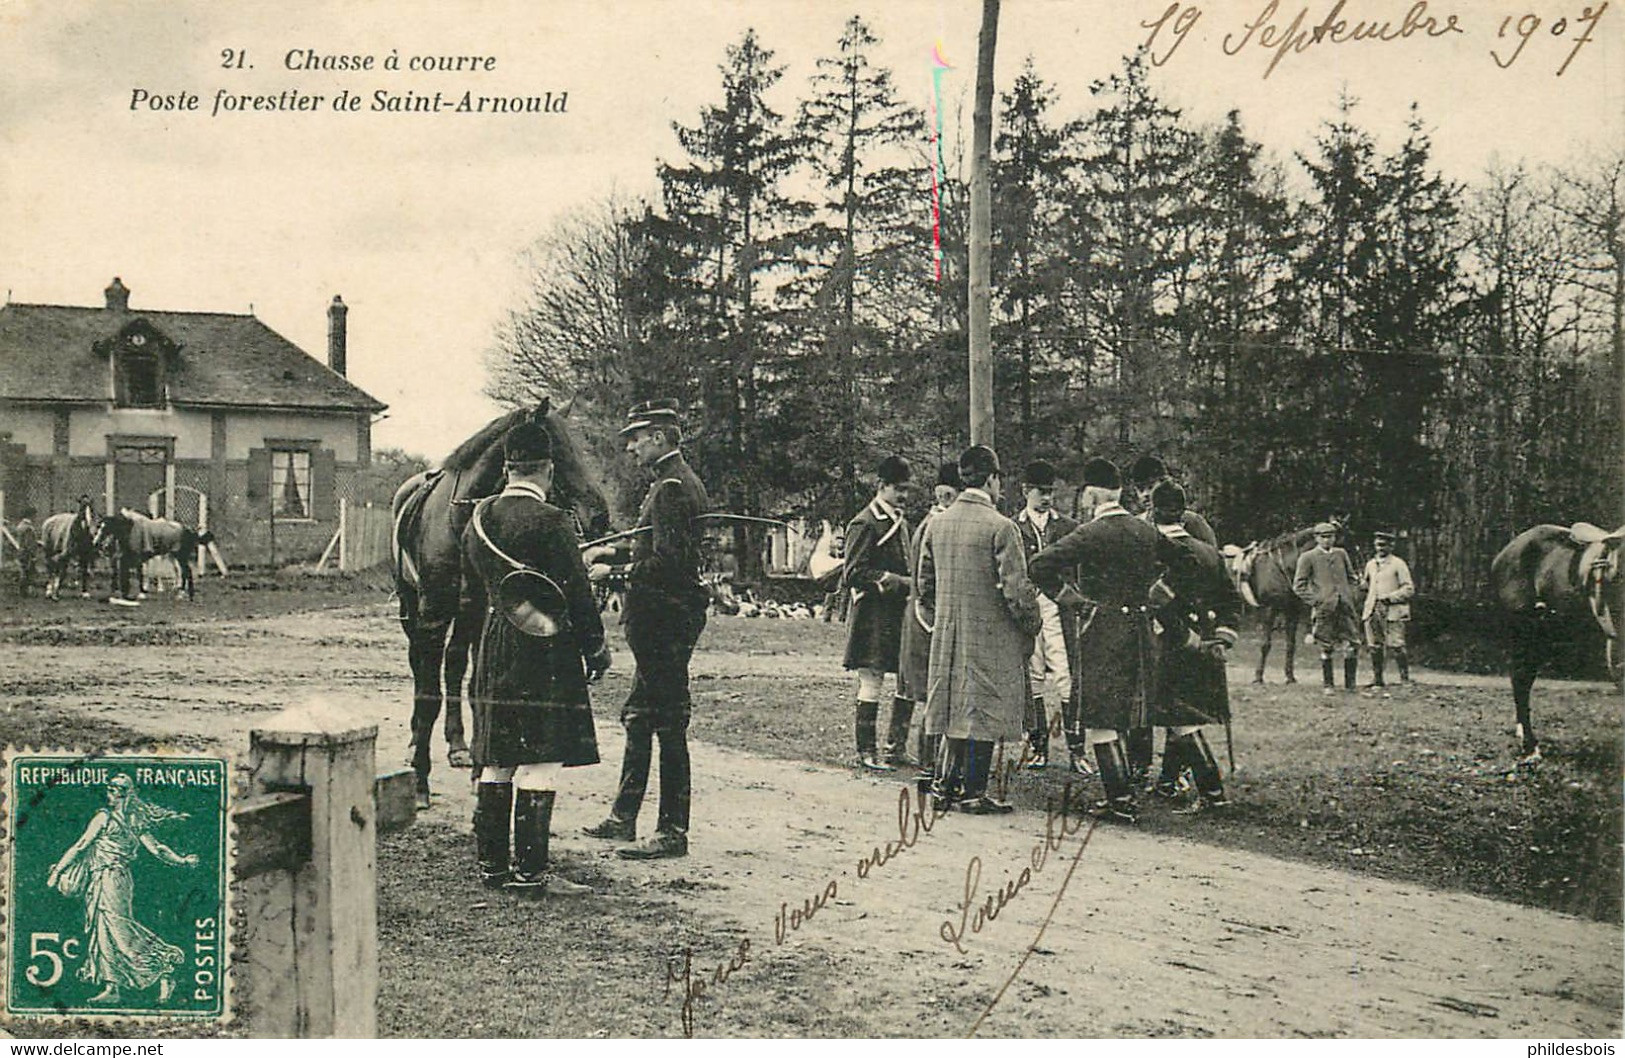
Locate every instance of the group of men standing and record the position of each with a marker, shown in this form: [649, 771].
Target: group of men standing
[542, 643]
[1128, 616]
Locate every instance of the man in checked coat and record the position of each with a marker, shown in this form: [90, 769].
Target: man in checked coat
[973, 589]
[876, 575]
[531, 713]
[914, 661]
[1115, 556]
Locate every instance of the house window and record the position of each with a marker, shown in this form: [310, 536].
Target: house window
[290, 483]
[140, 377]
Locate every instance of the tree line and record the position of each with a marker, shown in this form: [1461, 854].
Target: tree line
[1349, 331]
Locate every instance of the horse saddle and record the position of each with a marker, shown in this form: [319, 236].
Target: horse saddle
[1586, 534]
[533, 603]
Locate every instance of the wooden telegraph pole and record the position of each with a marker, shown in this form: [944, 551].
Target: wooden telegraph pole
[981, 234]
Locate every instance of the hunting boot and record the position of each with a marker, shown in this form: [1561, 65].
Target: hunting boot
[1038, 736]
[978, 770]
[902, 713]
[1327, 684]
[1404, 664]
[1351, 670]
[949, 784]
[1141, 742]
[931, 763]
[868, 720]
[532, 831]
[1174, 762]
[493, 804]
[1118, 806]
[1205, 770]
[1377, 660]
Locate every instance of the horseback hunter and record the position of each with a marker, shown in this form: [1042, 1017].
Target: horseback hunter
[877, 572]
[541, 644]
[663, 618]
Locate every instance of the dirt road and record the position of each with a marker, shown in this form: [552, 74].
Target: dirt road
[939, 932]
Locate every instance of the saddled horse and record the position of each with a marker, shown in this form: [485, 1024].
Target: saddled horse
[136, 538]
[1551, 580]
[69, 537]
[1263, 574]
[430, 511]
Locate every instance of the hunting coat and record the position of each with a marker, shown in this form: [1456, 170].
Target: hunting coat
[1193, 524]
[914, 652]
[878, 568]
[974, 592]
[529, 694]
[1192, 688]
[1034, 539]
[1388, 581]
[1115, 557]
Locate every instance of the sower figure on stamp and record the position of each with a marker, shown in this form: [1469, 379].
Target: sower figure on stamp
[1197, 616]
[1040, 525]
[914, 661]
[1325, 582]
[542, 642]
[664, 616]
[877, 574]
[1389, 590]
[973, 588]
[1115, 555]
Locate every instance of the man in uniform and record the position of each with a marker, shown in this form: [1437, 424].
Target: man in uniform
[914, 653]
[1389, 590]
[1040, 525]
[532, 716]
[1197, 623]
[1115, 555]
[973, 589]
[664, 616]
[877, 574]
[1324, 580]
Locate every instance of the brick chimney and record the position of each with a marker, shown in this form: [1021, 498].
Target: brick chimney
[118, 296]
[335, 333]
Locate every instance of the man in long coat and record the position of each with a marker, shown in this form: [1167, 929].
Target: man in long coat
[664, 616]
[877, 574]
[973, 589]
[1325, 582]
[1040, 525]
[1115, 556]
[914, 661]
[1197, 623]
[532, 715]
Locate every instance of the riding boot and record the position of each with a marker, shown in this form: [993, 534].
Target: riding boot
[1038, 735]
[930, 762]
[1377, 666]
[493, 804]
[979, 765]
[1328, 684]
[1351, 670]
[1141, 743]
[532, 823]
[1205, 770]
[902, 712]
[1174, 762]
[1404, 664]
[949, 784]
[1112, 760]
[868, 717]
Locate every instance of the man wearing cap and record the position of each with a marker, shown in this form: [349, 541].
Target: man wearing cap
[1389, 590]
[1040, 525]
[532, 716]
[663, 616]
[1197, 620]
[1115, 556]
[973, 589]
[914, 655]
[1149, 472]
[1325, 582]
[877, 574]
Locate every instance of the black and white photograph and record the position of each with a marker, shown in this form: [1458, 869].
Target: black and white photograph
[775, 519]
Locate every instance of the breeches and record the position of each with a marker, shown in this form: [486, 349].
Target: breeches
[1049, 653]
[1331, 627]
[1381, 632]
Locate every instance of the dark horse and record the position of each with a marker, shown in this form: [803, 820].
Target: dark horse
[1551, 580]
[430, 511]
[136, 538]
[1263, 574]
[69, 537]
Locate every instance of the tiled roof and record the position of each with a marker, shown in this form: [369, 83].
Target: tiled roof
[47, 352]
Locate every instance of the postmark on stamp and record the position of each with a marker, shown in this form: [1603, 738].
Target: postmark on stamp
[117, 869]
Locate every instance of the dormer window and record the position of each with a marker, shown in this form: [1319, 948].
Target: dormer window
[138, 374]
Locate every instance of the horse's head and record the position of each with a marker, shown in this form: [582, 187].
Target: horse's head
[1605, 592]
[477, 463]
[114, 530]
[1238, 562]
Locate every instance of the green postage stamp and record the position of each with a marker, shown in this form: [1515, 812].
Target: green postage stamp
[116, 885]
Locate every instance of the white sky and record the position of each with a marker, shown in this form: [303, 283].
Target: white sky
[418, 219]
